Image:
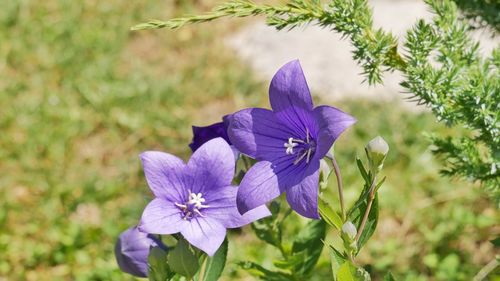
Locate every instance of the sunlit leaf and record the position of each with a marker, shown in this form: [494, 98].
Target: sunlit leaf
[328, 214]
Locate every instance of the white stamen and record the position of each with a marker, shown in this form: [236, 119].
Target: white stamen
[193, 205]
[290, 145]
[300, 158]
[308, 155]
[180, 206]
[198, 213]
[305, 151]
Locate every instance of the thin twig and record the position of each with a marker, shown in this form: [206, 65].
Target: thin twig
[368, 208]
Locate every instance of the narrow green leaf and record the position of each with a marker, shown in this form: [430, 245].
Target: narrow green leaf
[328, 214]
[380, 183]
[337, 259]
[309, 243]
[371, 223]
[183, 260]
[265, 274]
[215, 265]
[389, 277]
[362, 170]
[290, 262]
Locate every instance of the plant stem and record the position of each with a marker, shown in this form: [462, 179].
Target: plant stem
[368, 208]
[338, 175]
[486, 270]
[202, 270]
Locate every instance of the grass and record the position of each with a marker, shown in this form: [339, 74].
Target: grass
[81, 97]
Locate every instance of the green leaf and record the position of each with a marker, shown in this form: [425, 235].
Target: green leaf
[362, 170]
[496, 242]
[349, 272]
[328, 214]
[265, 274]
[357, 212]
[337, 259]
[389, 277]
[290, 262]
[215, 265]
[183, 260]
[158, 267]
[269, 229]
[309, 244]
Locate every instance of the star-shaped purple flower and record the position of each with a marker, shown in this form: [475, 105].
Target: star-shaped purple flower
[288, 142]
[195, 199]
[132, 251]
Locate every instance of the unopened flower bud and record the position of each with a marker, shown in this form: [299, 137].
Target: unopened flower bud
[324, 174]
[132, 250]
[376, 151]
[349, 229]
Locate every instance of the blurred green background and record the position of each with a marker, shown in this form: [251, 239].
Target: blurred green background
[81, 96]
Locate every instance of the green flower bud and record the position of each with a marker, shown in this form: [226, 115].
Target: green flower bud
[349, 229]
[324, 172]
[376, 151]
[348, 235]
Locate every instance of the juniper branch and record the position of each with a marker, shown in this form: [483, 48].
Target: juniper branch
[442, 69]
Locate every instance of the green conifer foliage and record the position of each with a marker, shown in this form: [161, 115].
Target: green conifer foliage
[441, 66]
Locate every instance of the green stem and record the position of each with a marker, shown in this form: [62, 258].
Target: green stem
[368, 208]
[340, 185]
[202, 269]
[486, 270]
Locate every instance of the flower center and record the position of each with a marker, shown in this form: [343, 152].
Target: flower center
[304, 148]
[192, 207]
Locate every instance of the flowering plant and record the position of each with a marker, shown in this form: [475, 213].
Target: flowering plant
[196, 202]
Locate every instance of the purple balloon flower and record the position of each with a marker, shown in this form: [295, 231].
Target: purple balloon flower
[195, 199]
[132, 251]
[203, 134]
[288, 142]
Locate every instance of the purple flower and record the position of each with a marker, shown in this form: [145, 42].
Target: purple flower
[132, 250]
[288, 142]
[203, 134]
[195, 199]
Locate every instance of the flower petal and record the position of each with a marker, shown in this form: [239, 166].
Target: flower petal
[257, 133]
[203, 134]
[206, 234]
[266, 181]
[211, 166]
[162, 217]
[303, 197]
[165, 175]
[132, 250]
[332, 122]
[290, 98]
[223, 208]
